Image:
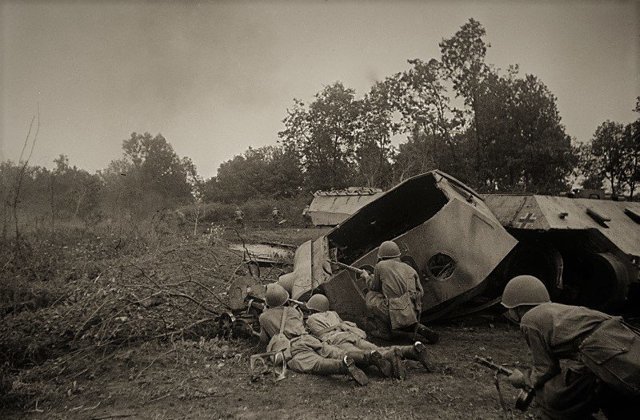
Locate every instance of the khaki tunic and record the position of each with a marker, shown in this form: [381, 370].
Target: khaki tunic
[330, 328]
[391, 280]
[308, 354]
[595, 343]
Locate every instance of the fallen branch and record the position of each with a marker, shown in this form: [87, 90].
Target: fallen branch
[153, 361]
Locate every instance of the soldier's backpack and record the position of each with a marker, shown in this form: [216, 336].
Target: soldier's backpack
[402, 312]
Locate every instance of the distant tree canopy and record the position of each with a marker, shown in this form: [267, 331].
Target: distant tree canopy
[498, 131]
[268, 171]
[507, 136]
[612, 158]
[150, 176]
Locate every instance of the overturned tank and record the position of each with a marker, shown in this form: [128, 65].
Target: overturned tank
[444, 230]
[466, 246]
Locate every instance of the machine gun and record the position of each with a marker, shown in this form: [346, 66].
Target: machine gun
[524, 397]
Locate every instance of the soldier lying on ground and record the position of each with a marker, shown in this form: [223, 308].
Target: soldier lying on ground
[328, 327]
[394, 299]
[600, 355]
[307, 354]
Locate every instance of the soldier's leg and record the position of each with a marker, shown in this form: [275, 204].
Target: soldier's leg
[569, 395]
[309, 355]
[378, 324]
[416, 352]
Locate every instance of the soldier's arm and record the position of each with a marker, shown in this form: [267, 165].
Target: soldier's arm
[545, 364]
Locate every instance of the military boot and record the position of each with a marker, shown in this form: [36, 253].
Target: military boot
[399, 371]
[384, 365]
[430, 336]
[352, 370]
[420, 353]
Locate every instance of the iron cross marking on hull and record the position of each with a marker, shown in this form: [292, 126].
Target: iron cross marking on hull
[526, 220]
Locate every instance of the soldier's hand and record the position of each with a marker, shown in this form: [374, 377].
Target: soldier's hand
[364, 275]
[516, 379]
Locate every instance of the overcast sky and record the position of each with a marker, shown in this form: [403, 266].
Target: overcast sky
[217, 77]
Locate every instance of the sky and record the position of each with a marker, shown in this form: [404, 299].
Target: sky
[217, 77]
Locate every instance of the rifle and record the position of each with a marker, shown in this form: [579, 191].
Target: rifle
[524, 397]
[358, 271]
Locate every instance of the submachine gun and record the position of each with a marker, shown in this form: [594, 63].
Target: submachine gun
[524, 397]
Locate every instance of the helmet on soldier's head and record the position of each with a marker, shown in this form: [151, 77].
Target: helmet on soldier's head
[318, 303]
[287, 281]
[524, 290]
[388, 249]
[276, 295]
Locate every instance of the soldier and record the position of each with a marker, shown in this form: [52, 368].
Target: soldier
[394, 298]
[306, 353]
[239, 217]
[275, 216]
[327, 326]
[600, 355]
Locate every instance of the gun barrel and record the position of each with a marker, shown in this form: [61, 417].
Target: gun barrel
[348, 267]
[488, 363]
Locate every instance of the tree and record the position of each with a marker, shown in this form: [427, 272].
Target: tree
[613, 157]
[526, 147]
[432, 123]
[463, 62]
[374, 127]
[73, 191]
[264, 172]
[149, 177]
[604, 158]
[323, 137]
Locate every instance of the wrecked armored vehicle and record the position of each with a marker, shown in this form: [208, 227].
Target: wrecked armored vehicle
[463, 245]
[444, 230]
[586, 251]
[330, 208]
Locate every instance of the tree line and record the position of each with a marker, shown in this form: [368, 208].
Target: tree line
[498, 131]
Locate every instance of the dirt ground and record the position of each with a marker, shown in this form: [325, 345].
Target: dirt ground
[180, 376]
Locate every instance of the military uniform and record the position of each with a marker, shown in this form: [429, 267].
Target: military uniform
[394, 302]
[600, 357]
[307, 353]
[330, 328]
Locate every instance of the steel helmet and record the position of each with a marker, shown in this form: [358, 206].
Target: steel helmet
[318, 303]
[524, 290]
[388, 249]
[287, 281]
[276, 295]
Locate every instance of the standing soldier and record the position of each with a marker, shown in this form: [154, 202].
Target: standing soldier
[600, 355]
[275, 216]
[394, 299]
[305, 353]
[239, 217]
